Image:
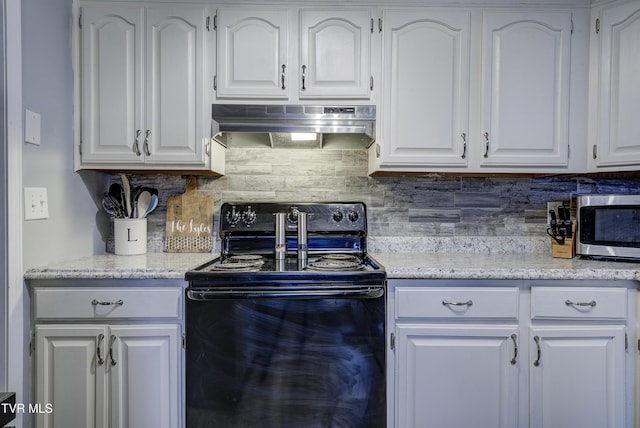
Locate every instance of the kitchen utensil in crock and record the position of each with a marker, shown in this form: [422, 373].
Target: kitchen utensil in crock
[126, 185]
[143, 201]
[153, 203]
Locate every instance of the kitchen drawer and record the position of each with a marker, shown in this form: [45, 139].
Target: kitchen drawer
[107, 303]
[444, 302]
[578, 303]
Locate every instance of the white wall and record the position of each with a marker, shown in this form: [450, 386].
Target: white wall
[3, 206]
[70, 231]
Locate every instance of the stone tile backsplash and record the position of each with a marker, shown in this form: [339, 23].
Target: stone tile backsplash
[399, 206]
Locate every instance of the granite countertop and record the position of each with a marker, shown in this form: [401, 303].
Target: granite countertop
[513, 266]
[110, 266]
[404, 264]
[513, 258]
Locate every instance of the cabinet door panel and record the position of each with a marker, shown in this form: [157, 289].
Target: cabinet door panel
[525, 74]
[252, 49]
[580, 379]
[456, 377]
[335, 52]
[175, 58]
[619, 92]
[145, 387]
[111, 86]
[425, 104]
[70, 376]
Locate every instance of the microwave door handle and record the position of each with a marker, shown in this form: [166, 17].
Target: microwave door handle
[223, 293]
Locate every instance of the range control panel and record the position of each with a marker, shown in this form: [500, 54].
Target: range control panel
[321, 217]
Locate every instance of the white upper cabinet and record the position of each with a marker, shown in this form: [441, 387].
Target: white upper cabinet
[253, 53]
[425, 101]
[473, 90]
[615, 87]
[291, 54]
[111, 58]
[525, 88]
[175, 86]
[335, 54]
[143, 74]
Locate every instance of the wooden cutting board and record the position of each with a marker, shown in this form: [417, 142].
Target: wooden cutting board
[189, 227]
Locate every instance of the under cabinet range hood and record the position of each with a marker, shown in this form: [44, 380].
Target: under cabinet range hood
[293, 126]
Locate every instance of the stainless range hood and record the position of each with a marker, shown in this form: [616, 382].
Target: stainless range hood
[253, 125]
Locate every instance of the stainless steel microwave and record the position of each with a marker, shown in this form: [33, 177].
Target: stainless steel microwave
[608, 226]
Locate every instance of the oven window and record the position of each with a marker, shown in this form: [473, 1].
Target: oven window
[610, 226]
[285, 363]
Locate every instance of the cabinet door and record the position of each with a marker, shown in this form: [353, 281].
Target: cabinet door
[71, 376]
[618, 86]
[457, 376]
[175, 53]
[335, 50]
[253, 53]
[579, 379]
[144, 363]
[425, 108]
[525, 89]
[112, 46]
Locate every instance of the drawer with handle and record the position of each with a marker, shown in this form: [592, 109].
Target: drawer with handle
[107, 303]
[453, 302]
[578, 303]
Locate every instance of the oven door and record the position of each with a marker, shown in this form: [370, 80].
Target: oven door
[309, 357]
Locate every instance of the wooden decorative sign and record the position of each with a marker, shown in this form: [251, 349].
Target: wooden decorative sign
[189, 226]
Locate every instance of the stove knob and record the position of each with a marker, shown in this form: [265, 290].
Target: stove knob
[249, 217]
[337, 216]
[233, 216]
[353, 216]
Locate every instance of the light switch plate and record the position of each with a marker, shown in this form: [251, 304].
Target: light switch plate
[36, 205]
[31, 127]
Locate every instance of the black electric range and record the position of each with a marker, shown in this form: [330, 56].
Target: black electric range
[288, 338]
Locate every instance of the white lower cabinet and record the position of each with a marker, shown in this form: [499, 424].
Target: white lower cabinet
[578, 357]
[521, 356]
[457, 376]
[457, 357]
[96, 370]
[578, 377]
[108, 376]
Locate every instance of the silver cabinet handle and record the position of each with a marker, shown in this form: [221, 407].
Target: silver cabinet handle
[464, 145]
[282, 76]
[537, 361]
[146, 142]
[111, 340]
[304, 72]
[98, 351]
[449, 303]
[514, 337]
[136, 146]
[570, 303]
[95, 302]
[486, 147]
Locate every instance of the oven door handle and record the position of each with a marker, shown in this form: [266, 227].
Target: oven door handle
[225, 293]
